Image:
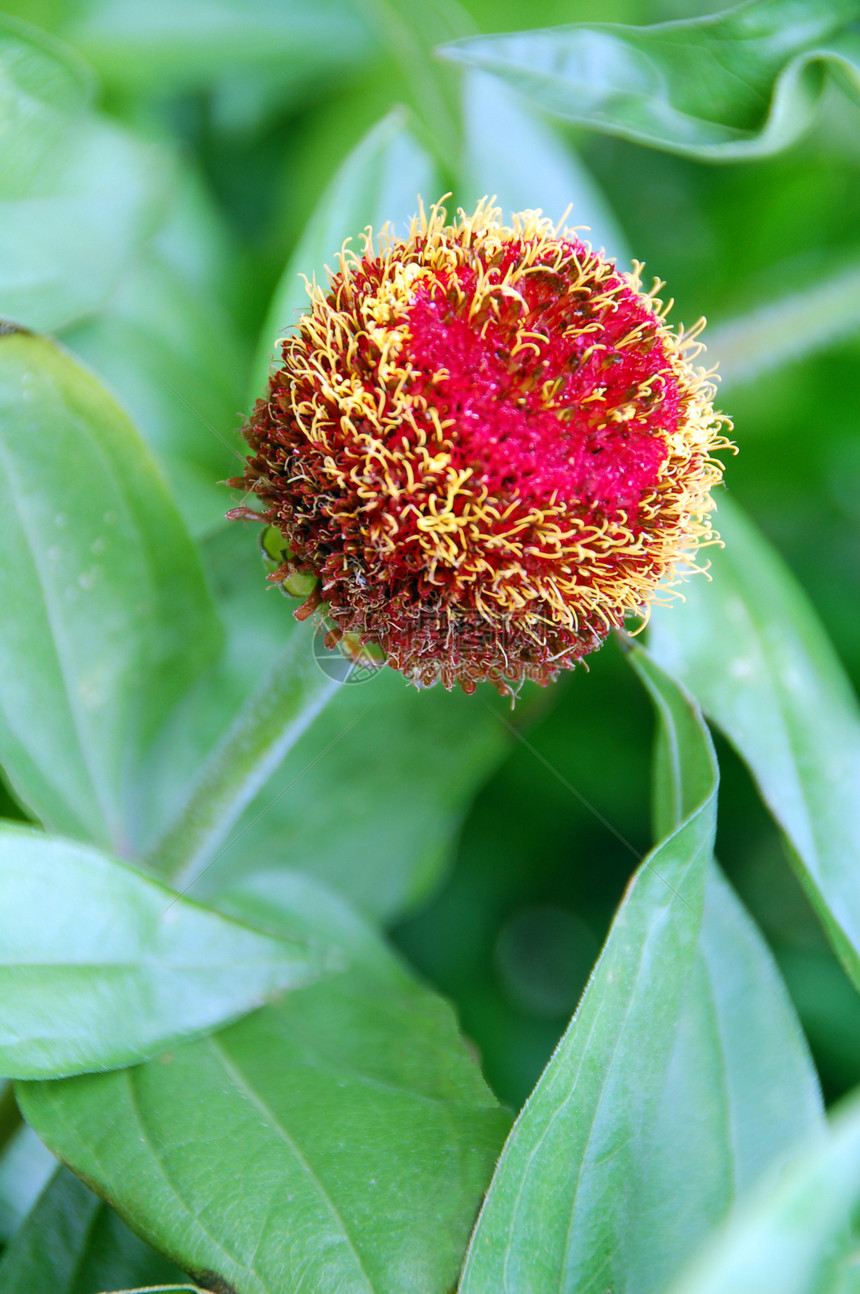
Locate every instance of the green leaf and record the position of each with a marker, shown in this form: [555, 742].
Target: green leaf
[683, 1076]
[381, 180]
[72, 1243]
[738, 84]
[797, 324]
[564, 1210]
[295, 906]
[793, 1235]
[514, 154]
[112, 617]
[339, 1139]
[165, 341]
[91, 221]
[42, 81]
[45, 89]
[78, 197]
[750, 648]
[739, 1092]
[102, 966]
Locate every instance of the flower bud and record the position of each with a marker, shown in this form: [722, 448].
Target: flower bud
[487, 446]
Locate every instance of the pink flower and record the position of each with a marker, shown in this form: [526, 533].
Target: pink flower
[487, 446]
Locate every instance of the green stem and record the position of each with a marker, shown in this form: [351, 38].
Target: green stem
[268, 725]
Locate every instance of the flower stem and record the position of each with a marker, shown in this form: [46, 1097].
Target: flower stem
[268, 725]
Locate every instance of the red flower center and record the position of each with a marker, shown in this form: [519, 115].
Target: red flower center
[538, 407]
[488, 446]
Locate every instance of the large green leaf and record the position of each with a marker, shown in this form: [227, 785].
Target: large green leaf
[742, 83]
[72, 1243]
[562, 1210]
[102, 966]
[78, 197]
[683, 1075]
[380, 181]
[516, 155]
[337, 1140]
[91, 222]
[750, 648]
[166, 344]
[793, 1236]
[739, 1091]
[42, 81]
[112, 618]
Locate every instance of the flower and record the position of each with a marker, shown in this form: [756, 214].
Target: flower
[487, 447]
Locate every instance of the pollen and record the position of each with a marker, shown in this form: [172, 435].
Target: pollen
[487, 446]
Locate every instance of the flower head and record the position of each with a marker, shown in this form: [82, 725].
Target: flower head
[487, 446]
